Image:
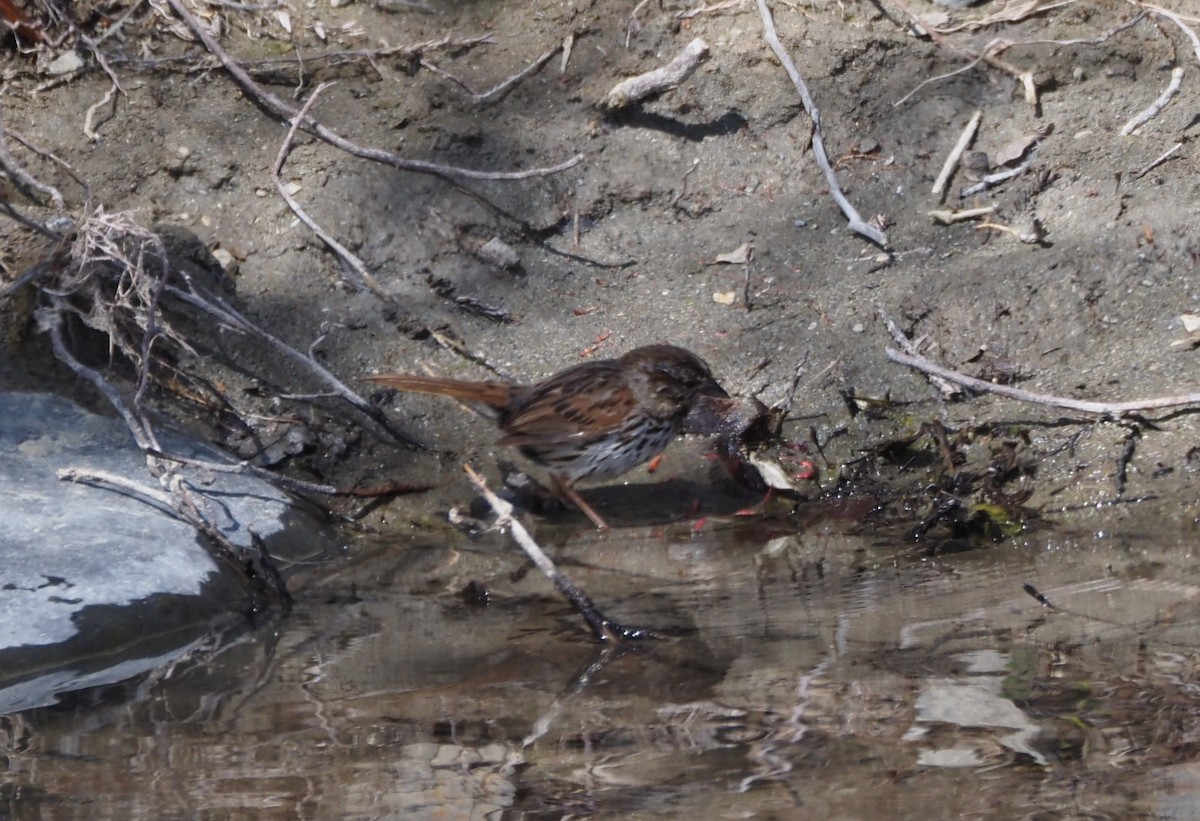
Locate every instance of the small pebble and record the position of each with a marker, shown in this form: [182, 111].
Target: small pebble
[65, 63]
[499, 253]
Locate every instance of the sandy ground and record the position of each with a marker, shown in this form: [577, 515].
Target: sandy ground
[622, 249]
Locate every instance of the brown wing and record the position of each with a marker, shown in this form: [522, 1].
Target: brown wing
[495, 395]
[583, 404]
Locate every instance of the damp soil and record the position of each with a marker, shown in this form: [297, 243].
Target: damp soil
[621, 249]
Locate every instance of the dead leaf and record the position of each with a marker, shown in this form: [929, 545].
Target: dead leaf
[1189, 341]
[1191, 327]
[931, 19]
[1015, 150]
[739, 256]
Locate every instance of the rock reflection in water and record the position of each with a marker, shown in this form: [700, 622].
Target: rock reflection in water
[816, 674]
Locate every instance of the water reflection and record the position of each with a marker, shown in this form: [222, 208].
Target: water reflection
[815, 674]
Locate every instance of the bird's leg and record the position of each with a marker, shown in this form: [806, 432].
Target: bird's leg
[563, 490]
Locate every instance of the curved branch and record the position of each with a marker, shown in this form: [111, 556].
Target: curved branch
[922, 364]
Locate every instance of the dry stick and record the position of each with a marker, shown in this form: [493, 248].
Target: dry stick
[904, 342]
[568, 44]
[153, 314]
[1005, 44]
[501, 88]
[180, 495]
[956, 153]
[632, 24]
[139, 427]
[997, 178]
[856, 222]
[14, 170]
[1015, 14]
[346, 255]
[604, 628]
[665, 77]
[948, 217]
[245, 467]
[922, 364]
[705, 9]
[49, 155]
[1157, 106]
[89, 130]
[103, 477]
[1177, 20]
[334, 56]
[285, 111]
[930, 80]
[218, 308]
[1159, 160]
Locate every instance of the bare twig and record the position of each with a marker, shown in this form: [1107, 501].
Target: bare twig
[178, 493]
[997, 45]
[104, 477]
[1011, 13]
[856, 222]
[1157, 106]
[342, 251]
[290, 483]
[568, 44]
[1159, 160]
[50, 155]
[1178, 20]
[997, 178]
[637, 88]
[109, 97]
[23, 177]
[221, 310]
[956, 153]
[227, 4]
[922, 364]
[287, 112]
[139, 428]
[330, 57]
[904, 342]
[500, 89]
[978, 58]
[392, 5]
[604, 628]
[707, 9]
[947, 217]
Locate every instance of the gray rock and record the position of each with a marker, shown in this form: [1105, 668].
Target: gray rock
[97, 584]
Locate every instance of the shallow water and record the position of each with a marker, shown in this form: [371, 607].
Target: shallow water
[818, 674]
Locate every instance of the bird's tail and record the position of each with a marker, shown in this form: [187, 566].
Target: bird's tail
[494, 395]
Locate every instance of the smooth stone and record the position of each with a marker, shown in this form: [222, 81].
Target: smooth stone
[98, 584]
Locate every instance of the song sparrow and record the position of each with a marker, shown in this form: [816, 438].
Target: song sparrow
[596, 420]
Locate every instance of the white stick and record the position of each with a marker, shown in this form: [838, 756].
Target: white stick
[956, 153]
[922, 364]
[856, 222]
[604, 628]
[660, 79]
[1150, 113]
[1162, 158]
